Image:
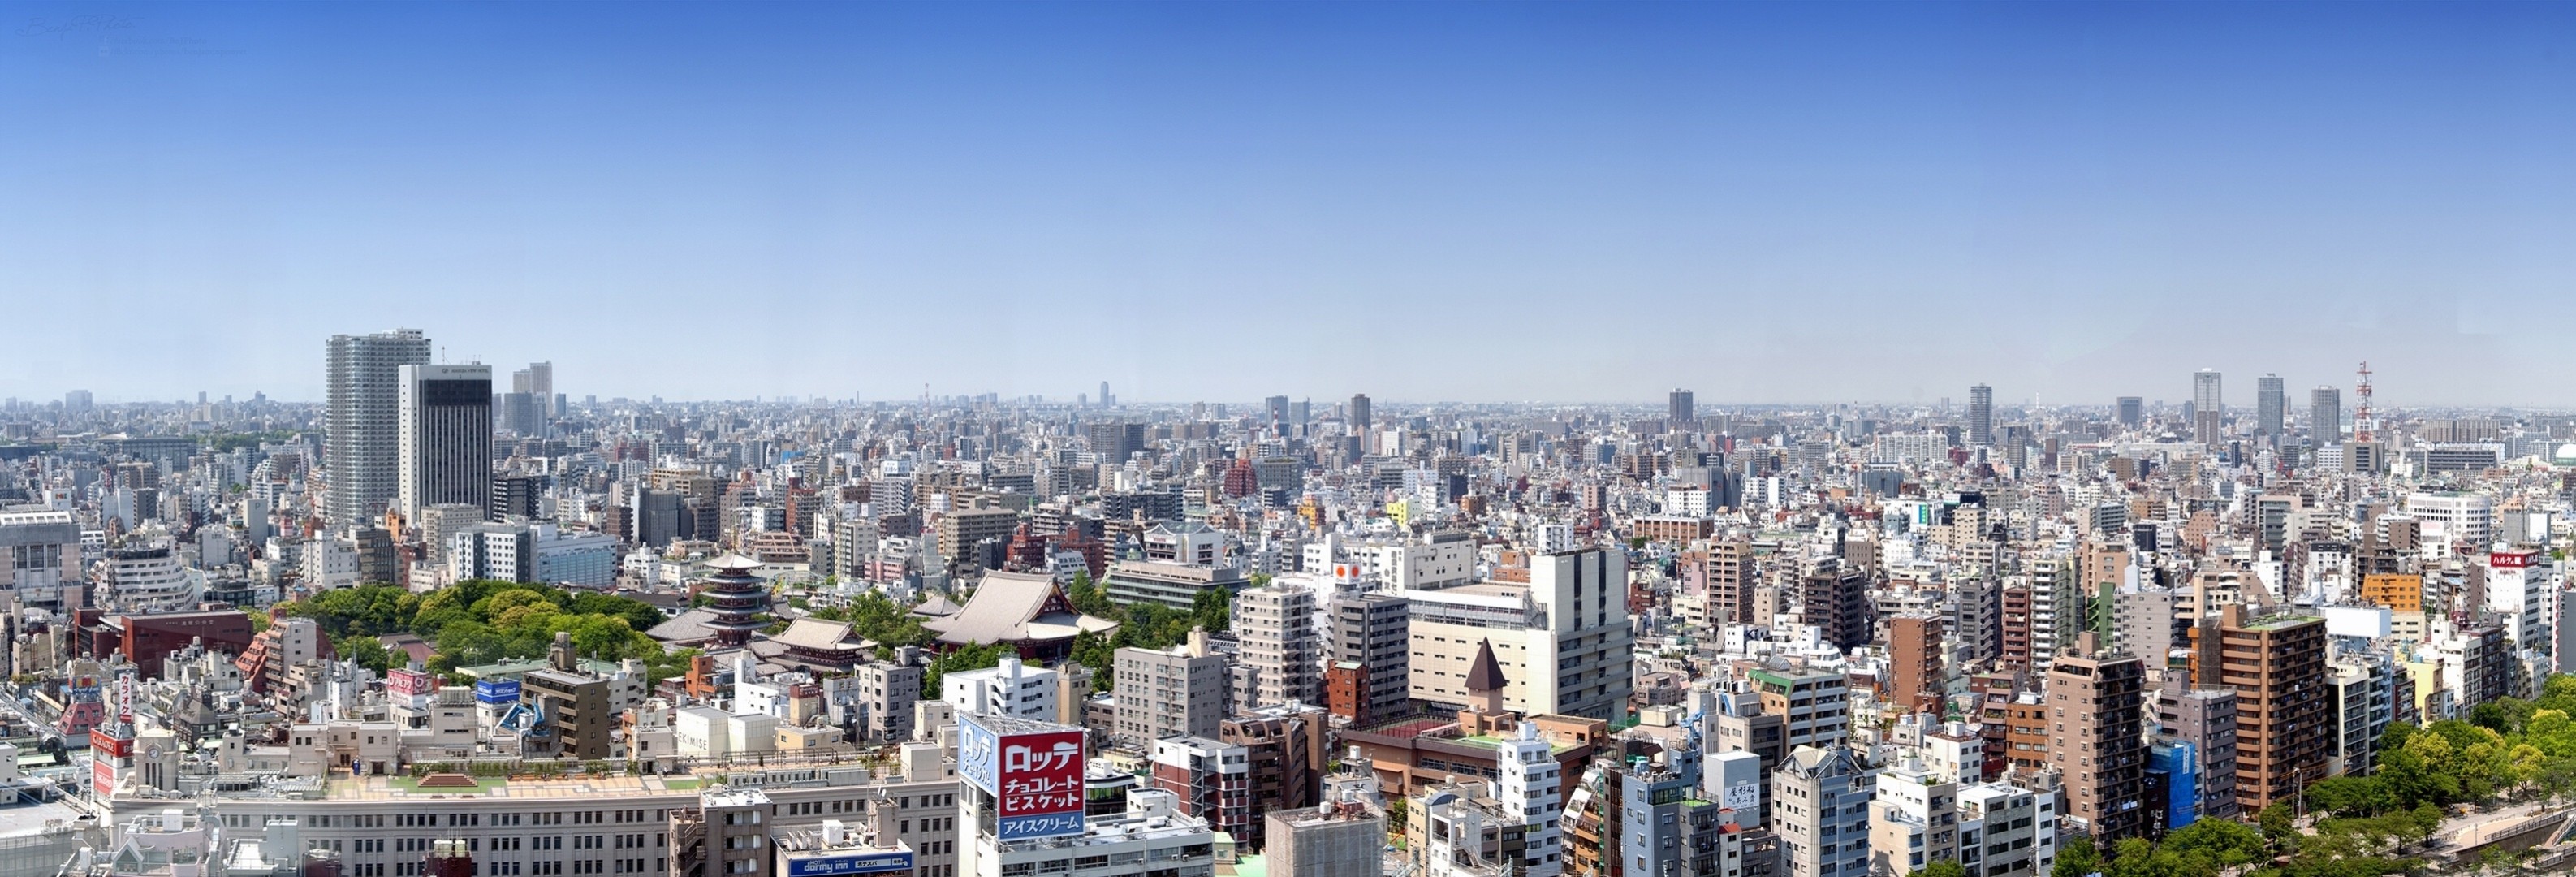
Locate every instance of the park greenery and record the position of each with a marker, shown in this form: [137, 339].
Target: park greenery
[879, 619]
[1141, 625]
[482, 622]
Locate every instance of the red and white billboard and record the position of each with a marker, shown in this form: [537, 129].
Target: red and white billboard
[1033, 770]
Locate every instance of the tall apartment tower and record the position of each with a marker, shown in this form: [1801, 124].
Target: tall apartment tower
[2132, 410]
[2325, 416]
[361, 428]
[1371, 668]
[2271, 405]
[1359, 412]
[2096, 738]
[1281, 654]
[1914, 660]
[2278, 667]
[1531, 789]
[1981, 415]
[2208, 406]
[1175, 692]
[1679, 409]
[443, 437]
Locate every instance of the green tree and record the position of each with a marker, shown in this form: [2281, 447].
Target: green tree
[2076, 858]
[1942, 868]
[366, 650]
[1213, 609]
[972, 656]
[2278, 824]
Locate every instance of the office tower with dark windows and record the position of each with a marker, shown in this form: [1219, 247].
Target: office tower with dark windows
[1981, 415]
[2271, 405]
[443, 436]
[1359, 412]
[1678, 409]
[1275, 408]
[361, 428]
[2325, 416]
[2133, 410]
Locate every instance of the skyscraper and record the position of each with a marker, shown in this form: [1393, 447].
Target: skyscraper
[444, 437]
[1276, 408]
[360, 440]
[1359, 412]
[1281, 657]
[2132, 410]
[1105, 401]
[2208, 406]
[1679, 405]
[2325, 416]
[2271, 405]
[1981, 415]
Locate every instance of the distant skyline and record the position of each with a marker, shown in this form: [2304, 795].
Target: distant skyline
[1563, 202]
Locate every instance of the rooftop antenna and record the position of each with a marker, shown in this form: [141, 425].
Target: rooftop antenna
[2362, 423]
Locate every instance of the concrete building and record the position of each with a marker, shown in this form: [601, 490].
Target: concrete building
[1913, 820]
[1822, 813]
[1176, 692]
[1562, 640]
[1914, 661]
[1281, 659]
[2205, 718]
[2006, 831]
[42, 547]
[884, 699]
[2284, 725]
[1010, 688]
[1369, 674]
[2096, 739]
[1814, 706]
[361, 441]
[443, 436]
[1332, 840]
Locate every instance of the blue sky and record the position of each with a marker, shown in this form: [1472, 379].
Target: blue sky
[1774, 203]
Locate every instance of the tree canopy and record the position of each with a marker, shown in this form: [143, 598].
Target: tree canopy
[481, 622]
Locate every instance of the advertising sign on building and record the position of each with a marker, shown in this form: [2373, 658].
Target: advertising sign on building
[861, 863]
[406, 682]
[497, 691]
[1032, 769]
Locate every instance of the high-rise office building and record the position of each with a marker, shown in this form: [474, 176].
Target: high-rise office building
[2325, 416]
[1359, 412]
[361, 434]
[2208, 406]
[1981, 415]
[2132, 410]
[1275, 408]
[443, 436]
[1105, 400]
[1679, 409]
[2271, 405]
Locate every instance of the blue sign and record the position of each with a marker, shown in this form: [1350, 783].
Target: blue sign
[497, 691]
[866, 863]
[1037, 825]
[979, 755]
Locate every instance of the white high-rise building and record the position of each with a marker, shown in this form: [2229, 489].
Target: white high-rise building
[1529, 779]
[444, 437]
[1009, 689]
[1282, 657]
[2458, 519]
[361, 428]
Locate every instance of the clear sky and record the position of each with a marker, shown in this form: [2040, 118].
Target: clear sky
[1776, 203]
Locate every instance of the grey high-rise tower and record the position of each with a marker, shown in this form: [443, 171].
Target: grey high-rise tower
[2271, 404]
[1680, 413]
[1359, 412]
[360, 429]
[2325, 416]
[2208, 406]
[444, 437]
[2132, 410]
[1981, 415]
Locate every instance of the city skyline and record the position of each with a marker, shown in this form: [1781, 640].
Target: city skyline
[2082, 200]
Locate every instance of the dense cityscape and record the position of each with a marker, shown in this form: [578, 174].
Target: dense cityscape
[460, 619]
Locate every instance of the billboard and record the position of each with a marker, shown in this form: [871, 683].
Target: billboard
[898, 862]
[1034, 771]
[497, 691]
[404, 682]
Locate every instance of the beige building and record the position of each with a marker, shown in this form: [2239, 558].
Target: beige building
[1562, 639]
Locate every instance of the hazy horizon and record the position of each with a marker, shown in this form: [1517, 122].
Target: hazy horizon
[1529, 201]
